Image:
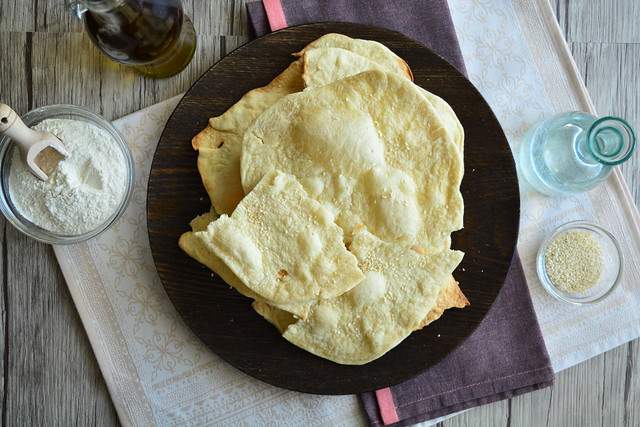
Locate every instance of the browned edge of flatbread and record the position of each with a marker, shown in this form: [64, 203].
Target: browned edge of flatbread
[449, 297]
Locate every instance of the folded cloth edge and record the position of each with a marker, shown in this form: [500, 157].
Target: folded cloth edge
[275, 14]
[469, 404]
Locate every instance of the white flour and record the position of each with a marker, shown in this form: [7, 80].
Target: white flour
[84, 190]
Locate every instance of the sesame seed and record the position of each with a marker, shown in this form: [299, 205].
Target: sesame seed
[574, 261]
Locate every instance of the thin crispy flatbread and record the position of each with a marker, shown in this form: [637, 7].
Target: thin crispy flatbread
[450, 296]
[400, 287]
[371, 149]
[282, 244]
[322, 66]
[198, 249]
[373, 50]
[219, 144]
[357, 142]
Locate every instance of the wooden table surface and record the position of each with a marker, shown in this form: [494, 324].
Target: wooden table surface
[49, 375]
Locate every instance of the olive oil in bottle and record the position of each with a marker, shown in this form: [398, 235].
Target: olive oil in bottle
[155, 37]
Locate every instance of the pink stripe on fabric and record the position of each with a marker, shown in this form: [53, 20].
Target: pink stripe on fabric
[387, 407]
[275, 14]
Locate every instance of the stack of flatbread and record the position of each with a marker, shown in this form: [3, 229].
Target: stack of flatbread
[334, 192]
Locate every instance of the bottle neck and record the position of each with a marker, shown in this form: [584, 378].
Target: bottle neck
[102, 6]
[78, 8]
[611, 140]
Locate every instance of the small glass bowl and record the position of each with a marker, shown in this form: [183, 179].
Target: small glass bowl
[33, 117]
[611, 274]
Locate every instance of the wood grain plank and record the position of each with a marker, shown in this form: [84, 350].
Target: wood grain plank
[221, 17]
[610, 72]
[560, 9]
[577, 395]
[53, 17]
[64, 384]
[606, 53]
[531, 408]
[613, 386]
[15, 53]
[49, 352]
[12, 71]
[65, 70]
[78, 73]
[495, 415]
[16, 15]
[598, 21]
[632, 385]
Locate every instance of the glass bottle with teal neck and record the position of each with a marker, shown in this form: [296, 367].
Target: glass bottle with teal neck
[155, 37]
[574, 152]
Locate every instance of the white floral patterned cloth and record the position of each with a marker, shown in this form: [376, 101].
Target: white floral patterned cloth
[158, 372]
[516, 56]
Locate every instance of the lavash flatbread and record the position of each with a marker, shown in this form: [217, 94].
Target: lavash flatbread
[283, 245]
[386, 160]
[322, 66]
[384, 189]
[371, 49]
[400, 287]
[199, 248]
[219, 144]
[450, 296]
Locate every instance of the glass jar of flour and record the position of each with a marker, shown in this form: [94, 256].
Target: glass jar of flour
[88, 191]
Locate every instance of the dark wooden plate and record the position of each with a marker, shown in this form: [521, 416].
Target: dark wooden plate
[224, 319]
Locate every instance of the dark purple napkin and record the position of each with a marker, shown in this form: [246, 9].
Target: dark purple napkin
[413, 18]
[505, 356]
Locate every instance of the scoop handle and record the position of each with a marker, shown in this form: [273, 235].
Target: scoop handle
[12, 125]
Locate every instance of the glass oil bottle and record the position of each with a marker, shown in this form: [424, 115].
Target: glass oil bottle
[155, 37]
[574, 152]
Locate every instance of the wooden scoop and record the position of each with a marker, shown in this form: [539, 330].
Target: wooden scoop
[41, 151]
